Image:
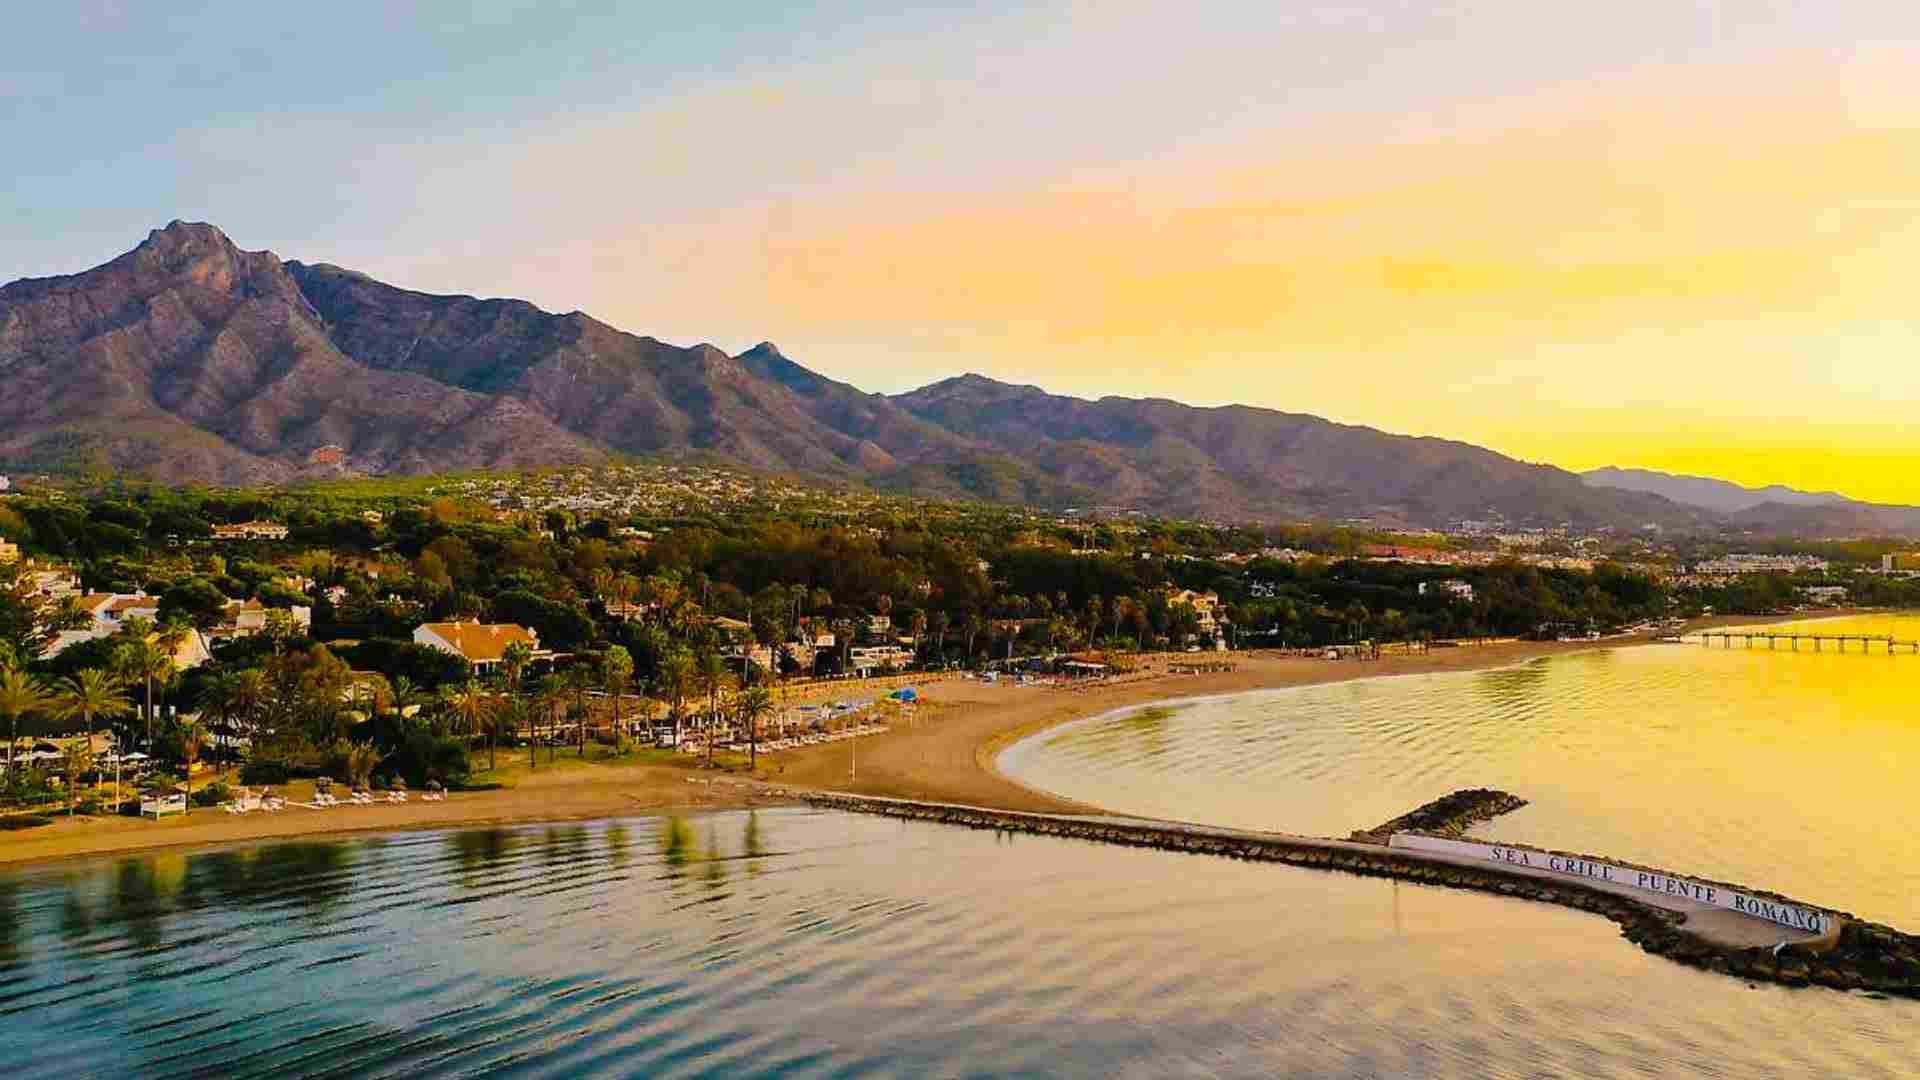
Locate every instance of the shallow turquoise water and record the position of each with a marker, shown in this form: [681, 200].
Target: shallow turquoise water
[800, 943]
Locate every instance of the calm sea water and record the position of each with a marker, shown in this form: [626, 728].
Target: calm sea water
[1795, 771]
[815, 944]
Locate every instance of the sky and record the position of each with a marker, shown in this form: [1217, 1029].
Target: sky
[1650, 233]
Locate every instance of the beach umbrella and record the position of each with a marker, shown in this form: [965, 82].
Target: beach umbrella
[905, 693]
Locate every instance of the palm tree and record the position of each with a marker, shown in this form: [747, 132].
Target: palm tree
[171, 635]
[712, 675]
[192, 742]
[138, 659]
[79, 758]
[579, 679]
[843, 631]
[475, 706]
[90, 694]
[755, 703]
[513, 661]
[676, 679]
[219, 700]
[617, 668]
[405, 699]
[625, 588]
[551, 693]
[20, 694]
[512, 715]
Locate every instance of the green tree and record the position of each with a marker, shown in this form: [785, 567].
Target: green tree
[357, 760]
[78, 759]
[92, 695]
[551, 694]
[712, 675]
[579, 679]
[754, 706]
[475, 706]
[676, 682]
[193, 742]
[21, 695]
[617, 667]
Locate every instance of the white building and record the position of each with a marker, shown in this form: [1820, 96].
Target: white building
[1451, 587]
[869, 658]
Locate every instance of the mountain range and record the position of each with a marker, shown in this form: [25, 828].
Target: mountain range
[1705, 492]
[189, 359]
[1773, 510]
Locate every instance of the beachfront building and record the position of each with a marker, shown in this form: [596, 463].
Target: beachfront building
[481, 644]
[1206, 612]
[867, 659]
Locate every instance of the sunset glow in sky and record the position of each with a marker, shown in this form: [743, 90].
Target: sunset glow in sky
[1670, 235]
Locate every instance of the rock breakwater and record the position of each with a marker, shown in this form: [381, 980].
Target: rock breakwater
[1450, 815]
[1860, 956]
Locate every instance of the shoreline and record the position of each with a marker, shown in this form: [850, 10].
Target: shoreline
[946, 753]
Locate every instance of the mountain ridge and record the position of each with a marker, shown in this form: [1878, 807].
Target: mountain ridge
[187, 358]
[1707, 492]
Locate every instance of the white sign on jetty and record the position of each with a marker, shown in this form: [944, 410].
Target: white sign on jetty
[1810, 920]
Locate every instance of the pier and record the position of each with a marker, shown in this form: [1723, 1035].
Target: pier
[1773, 638]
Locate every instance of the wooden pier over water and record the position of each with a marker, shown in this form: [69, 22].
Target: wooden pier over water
[1793, 638]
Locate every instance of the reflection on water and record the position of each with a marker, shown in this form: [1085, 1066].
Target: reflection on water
[1782, 770]
[799, 943]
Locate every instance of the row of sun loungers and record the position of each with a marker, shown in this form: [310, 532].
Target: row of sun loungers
[326, 800]
[812, 739]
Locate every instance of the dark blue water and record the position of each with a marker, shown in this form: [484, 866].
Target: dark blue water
[797, 943]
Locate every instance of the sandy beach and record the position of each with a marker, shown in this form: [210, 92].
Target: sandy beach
[943, 753]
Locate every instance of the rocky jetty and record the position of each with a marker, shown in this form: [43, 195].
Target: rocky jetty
[1449, 815]
[1865, 957]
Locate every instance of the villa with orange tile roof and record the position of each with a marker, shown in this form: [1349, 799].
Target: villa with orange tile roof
[481, 644]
